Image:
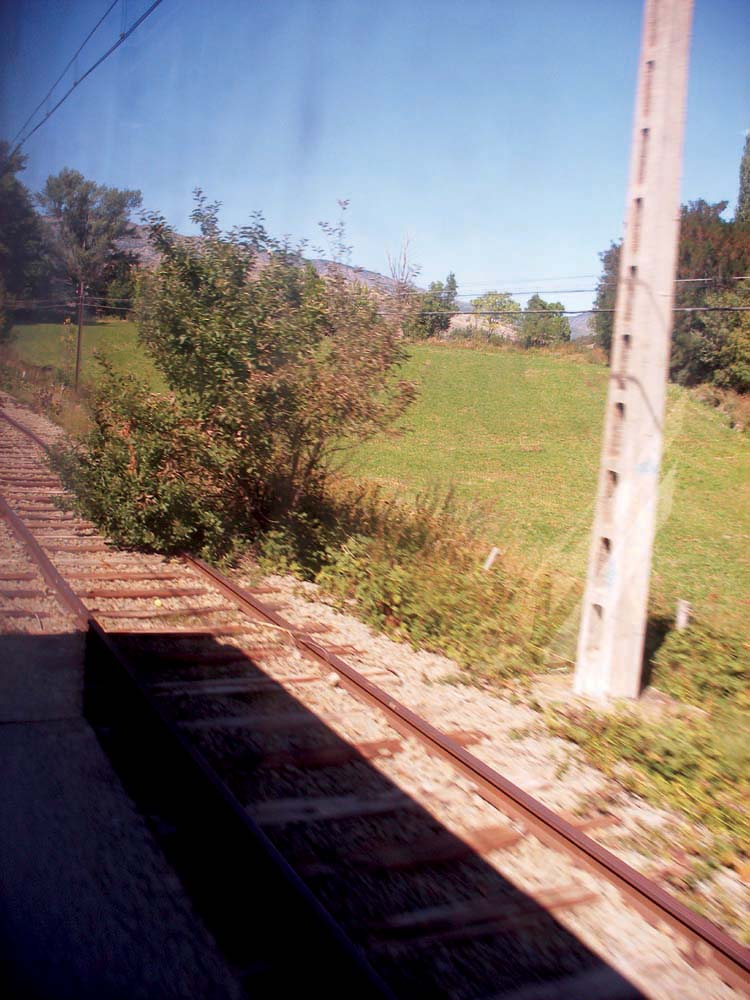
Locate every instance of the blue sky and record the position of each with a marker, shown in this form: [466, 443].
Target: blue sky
[493, 135]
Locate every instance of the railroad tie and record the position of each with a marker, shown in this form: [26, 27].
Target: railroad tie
[278, 812]
[479, 917]
[438, 848]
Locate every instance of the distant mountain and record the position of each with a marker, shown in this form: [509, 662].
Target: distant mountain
[581, 326]
[378, 282]
[139, 246]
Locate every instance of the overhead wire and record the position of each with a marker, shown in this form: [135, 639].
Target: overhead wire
[565, 312]
[75, 55]
[606, 284]
[123, 37]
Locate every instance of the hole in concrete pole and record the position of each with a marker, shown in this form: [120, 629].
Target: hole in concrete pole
[630, 292]
[642, 160]
[596, 620]
[602, 557]
[636, 219]
[624, 359]
[610, 485]
[648, 84]
[617, 426]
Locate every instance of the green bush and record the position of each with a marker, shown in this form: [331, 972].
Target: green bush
[543, 323]
[430, 311]
[6, 318]
[699, 665]
[150, 475]
[723, 342]
[734, 406]
[272, 372]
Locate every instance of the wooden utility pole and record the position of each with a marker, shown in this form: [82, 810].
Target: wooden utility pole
[79, 337]
[613, 621]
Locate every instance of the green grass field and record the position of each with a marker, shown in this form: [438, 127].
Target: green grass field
[517, 435]
[50, 344]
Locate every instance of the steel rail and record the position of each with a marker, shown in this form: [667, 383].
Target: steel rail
[725, 955]
[25, 430]
[67, 597]
[356, 973]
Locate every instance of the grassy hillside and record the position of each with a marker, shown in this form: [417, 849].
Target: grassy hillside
[517, 434]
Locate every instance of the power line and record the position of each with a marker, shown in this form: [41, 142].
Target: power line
[101, 302]
[607, 284]
[529, 291]
[570, 312]
[513, 281]
[493, 286]
[91, 69]
[736, 277]
[70, 63]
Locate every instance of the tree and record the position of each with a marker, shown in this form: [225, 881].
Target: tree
[606, 290]
[20, 234]
[84, 222]
[433, 310]
[742, 213]
[721, 352]
[543, 323]
[118, 290]
[507, 312]
[711, 254]
[272, 372]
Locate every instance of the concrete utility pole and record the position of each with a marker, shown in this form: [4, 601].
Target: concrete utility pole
[613, 621]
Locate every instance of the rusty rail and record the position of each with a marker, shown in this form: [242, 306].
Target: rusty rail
[727, 956]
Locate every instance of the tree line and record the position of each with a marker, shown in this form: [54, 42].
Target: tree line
[540, 324]
[73, 245]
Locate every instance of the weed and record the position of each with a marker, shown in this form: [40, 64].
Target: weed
[678, 763]
[414, 571]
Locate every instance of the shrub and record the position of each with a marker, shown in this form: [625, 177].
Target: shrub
[430, 312]
[722, 352]
[699, 665]
[734, 406]
[151, 475]
[701, 767]
[272, 371]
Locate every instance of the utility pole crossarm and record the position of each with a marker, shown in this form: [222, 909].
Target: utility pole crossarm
[613, 621]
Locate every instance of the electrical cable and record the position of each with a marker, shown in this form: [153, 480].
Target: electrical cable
[608, 284]
[89, 71]
[70, 63]
[567, 312]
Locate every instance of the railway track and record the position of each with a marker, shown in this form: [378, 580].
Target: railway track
[431, 873]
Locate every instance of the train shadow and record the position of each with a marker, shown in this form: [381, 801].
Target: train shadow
[203, 737]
